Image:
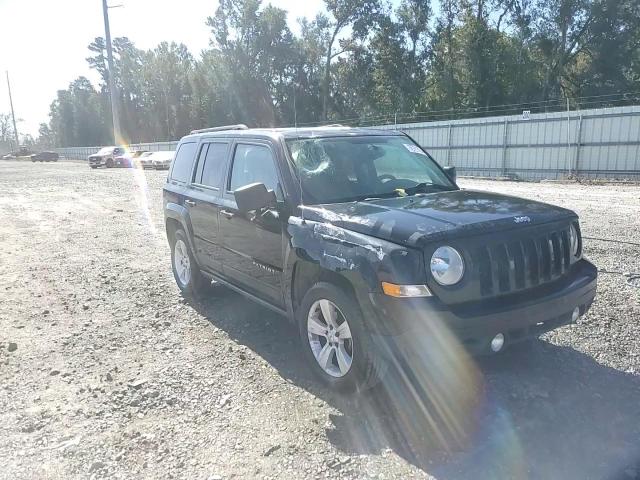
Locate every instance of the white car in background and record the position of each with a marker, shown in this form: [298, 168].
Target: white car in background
[145, 160]
[162, 160]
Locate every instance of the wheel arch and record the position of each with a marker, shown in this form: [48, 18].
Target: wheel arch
[176, 216]
[307, 274]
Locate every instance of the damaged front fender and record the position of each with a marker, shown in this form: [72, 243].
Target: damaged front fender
[354, 254]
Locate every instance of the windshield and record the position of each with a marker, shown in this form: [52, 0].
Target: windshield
[341, 169]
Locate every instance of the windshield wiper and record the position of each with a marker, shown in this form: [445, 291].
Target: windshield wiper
[426, 188]
[378, 196]
[399, 192]
[409, 191]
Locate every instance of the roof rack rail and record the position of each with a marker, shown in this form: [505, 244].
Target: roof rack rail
[239, 126]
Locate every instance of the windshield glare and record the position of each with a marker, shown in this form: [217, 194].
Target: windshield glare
[340, 169]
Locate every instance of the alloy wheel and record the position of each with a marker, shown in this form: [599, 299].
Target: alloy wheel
[330, 338]
[182, 262]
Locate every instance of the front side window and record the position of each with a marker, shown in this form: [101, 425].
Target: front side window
[253, 164]
[183, 162]
[342, 169]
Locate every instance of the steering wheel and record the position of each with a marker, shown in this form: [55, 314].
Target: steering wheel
[386, 178]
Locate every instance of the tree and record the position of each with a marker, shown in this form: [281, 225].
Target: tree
[258, 53]
[168, 90]
[361, 16]
[6, 128]
[128, 78]
[46, 138]
[563, 29]
[360, 59]
[605, 64]
[443, 88]
[78, 116]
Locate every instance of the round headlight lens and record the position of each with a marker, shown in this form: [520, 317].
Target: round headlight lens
[574, 240]
[447, 266]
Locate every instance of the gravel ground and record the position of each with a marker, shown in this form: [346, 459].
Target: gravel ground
[106, 371]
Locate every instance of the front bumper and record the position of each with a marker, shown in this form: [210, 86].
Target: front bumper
[517, 317]
[97, 162]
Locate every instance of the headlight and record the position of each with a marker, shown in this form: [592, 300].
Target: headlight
[574, 240]
[447, 266]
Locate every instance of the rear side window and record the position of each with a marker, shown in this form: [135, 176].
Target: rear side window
[251, 164]
[183, 162]
[211, 164]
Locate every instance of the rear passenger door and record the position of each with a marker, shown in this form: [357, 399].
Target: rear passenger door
[204, 194]
[253, 243]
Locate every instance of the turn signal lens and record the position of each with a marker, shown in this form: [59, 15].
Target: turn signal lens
[403, 291]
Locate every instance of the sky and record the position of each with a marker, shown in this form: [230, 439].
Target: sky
[43, 43]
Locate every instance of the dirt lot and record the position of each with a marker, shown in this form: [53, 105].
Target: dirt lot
[105, 371]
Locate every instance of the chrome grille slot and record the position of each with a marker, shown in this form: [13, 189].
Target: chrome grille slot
[523, 263]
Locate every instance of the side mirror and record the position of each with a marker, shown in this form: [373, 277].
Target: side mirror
[451, 173]
[254, 197]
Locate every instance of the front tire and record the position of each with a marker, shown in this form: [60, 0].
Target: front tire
[335, 340]
[185, 269]
[109, 163]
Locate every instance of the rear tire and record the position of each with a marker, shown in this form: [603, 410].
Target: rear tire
[328, 352]
[185, 269]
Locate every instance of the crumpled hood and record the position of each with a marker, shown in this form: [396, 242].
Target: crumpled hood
[423, 218]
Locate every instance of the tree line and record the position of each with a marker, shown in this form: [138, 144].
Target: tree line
[360, 60]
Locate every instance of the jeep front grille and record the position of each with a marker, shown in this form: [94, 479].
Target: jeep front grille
[523, 263]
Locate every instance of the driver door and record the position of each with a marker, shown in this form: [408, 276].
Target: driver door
[252, 244]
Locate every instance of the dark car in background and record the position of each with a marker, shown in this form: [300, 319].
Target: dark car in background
[45, 157]
[105, 157]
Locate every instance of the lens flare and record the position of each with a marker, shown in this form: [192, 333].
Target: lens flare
[141, 192]
[433, 406]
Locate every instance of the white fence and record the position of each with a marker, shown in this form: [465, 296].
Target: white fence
[601, 143]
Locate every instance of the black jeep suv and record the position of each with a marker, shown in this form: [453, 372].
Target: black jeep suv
[365, 243]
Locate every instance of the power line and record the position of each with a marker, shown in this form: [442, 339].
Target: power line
[492, 110]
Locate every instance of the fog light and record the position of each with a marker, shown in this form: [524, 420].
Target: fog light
[497, 342]
[575, 315]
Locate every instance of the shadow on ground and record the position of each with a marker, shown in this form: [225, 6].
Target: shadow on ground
[541, 411]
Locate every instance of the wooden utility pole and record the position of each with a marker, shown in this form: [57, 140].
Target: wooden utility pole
[13, 115]
[117, 138]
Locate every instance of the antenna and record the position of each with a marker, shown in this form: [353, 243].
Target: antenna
[295, 110]
[301, 197]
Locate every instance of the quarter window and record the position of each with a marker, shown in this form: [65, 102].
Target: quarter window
[183, 162]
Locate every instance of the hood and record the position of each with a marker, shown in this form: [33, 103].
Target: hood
[429, 217]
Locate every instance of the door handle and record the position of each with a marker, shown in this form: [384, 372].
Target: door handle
[227, 213]
[191, 203]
